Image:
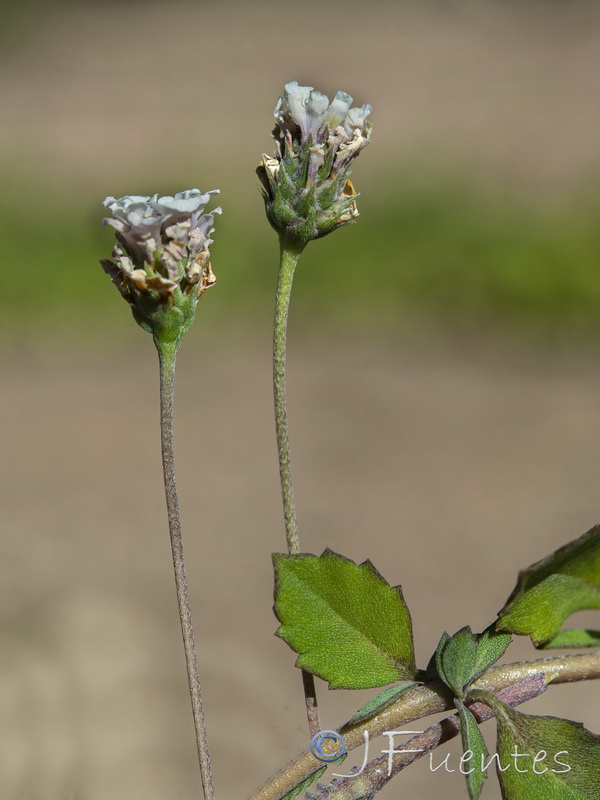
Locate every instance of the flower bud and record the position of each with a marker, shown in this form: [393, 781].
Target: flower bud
[305, 186]
[160, 259]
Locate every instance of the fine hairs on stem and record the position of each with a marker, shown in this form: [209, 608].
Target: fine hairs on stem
[167, 357]
[289, 259]
[433, 699]
[307, 194]
[167, 240]
[287, 267]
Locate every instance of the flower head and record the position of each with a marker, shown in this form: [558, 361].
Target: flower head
[160, 259]
[305, 186]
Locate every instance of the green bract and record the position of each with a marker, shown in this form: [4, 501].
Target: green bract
[380, 702]
[473, 743]
[461, 658]
[305, 784]
[455, 659]
[305, 186]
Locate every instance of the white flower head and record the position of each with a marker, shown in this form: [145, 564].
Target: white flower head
[305, 186]
[162, 247]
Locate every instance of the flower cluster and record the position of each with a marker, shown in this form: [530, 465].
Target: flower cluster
[305, 186]
[160, 260]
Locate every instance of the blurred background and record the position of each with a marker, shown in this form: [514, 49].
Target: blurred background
[443, 365]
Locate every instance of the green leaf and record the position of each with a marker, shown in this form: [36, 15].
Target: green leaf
[461, 658]
[380, 702]
[545, 758]
[303, 785]
[434, 667]
[491, 645]
[573, 637]
[456, 658]
[473, 742]
[552, 589]
[347, 624]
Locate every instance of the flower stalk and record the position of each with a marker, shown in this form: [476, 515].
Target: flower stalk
[290, 254]
[307, 194]
[167, 354]
[160, 267]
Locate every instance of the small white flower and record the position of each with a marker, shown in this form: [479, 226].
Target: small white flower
[336, 114]
[312, 112]
[293, 104]
[183, 202]
[356, 119]
[316, 107]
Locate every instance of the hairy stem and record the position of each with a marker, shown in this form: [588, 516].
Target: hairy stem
[167, 355]
[431, 699]
[287, 266]
[382, 769]
[289, 256]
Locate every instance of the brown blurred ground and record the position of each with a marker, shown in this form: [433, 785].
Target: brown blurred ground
[449, 469]
[442, 465]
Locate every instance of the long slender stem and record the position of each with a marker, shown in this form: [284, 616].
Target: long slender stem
[167, 355]
[289, 258]
[431, 699]
[287, 266]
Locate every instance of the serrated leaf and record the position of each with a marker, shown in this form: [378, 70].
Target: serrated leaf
[491, 645]
[552, 589]
[473, 742]
[573, 637]
[545, 758]
[304, 785]
[456, 658]
[347, 624]
[380, 702]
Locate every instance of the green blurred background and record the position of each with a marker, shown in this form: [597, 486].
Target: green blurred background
[443, 369]
[480, 193]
